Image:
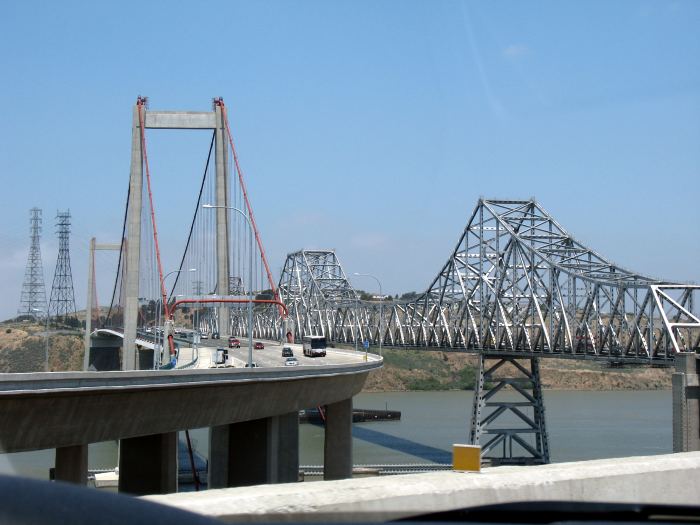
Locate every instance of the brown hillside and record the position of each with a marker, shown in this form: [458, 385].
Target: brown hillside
[419, 370]
[23, 347]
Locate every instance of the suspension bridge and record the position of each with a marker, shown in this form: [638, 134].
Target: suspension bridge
[516, 288]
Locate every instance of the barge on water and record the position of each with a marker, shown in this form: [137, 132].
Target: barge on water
[359, 415]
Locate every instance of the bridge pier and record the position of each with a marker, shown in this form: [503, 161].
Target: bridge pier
[104, 354]
[72, 464]
[255, 452]
[337, 448]
[520, 437]
[145, 358]
[686, 403]
[148, 464]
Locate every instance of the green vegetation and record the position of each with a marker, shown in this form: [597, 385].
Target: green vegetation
[416, 360]
[423, 370]
[428, 383]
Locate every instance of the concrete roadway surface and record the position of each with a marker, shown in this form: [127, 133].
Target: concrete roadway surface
[270, 356]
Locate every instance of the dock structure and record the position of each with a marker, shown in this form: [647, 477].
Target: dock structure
[359, 415]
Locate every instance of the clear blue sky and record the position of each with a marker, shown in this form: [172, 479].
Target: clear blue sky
[368, 127]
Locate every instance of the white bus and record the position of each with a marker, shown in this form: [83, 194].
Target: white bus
[314, 346]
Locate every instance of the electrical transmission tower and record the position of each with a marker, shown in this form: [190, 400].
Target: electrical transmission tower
[33, 299]
[62, 302]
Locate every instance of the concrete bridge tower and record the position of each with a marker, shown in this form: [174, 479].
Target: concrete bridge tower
[212, 120]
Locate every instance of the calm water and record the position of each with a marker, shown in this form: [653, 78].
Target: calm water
[582, 425]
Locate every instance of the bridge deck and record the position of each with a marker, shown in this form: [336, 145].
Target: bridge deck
[59, 409]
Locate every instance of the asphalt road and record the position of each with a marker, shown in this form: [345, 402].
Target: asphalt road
[270, 356]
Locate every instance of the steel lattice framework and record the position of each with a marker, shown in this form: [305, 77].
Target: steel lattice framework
[62, 302]
[517, 287]
[319, 297]
[516, 282]
[33, 298]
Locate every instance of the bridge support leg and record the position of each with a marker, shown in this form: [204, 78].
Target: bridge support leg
[133, 246]
[72, 464]
[255, 452]
[337, 451]
[510, 431]
[222, 185]
[148, 464]
[145, 358]
[686, 403]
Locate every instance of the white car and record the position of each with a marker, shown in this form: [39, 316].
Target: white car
[291, 361]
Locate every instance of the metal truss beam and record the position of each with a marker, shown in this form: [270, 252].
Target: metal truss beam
[516, 283]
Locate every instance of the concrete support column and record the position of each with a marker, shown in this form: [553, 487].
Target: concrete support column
[133, 246]
[686, 403]
[148, 464]
[72, 464]
[255, 452]
[222, 222]
[337, 451]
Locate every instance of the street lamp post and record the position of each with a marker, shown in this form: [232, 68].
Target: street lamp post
[250, 279]
[381, 306]
[357, 318]
[46, 339]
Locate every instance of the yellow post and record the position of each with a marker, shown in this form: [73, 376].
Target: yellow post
[466, 457]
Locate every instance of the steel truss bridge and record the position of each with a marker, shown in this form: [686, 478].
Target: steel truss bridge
[516, 287]
[516, 283]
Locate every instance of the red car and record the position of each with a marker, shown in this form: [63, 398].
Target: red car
[258, 345]
[233, 342]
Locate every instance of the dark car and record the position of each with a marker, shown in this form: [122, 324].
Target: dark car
[287, 351]
[258, 345]
[233, 342]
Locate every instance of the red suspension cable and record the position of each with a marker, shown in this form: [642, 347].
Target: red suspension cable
[220, 102]
[139, 104]
[95, 306]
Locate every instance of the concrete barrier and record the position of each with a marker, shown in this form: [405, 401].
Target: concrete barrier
[664, 479]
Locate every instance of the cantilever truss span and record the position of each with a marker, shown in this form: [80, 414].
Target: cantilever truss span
[320, 298]
[517, 287]
[516, 282]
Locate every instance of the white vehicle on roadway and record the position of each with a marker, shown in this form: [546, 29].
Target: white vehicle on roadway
[314, 345]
